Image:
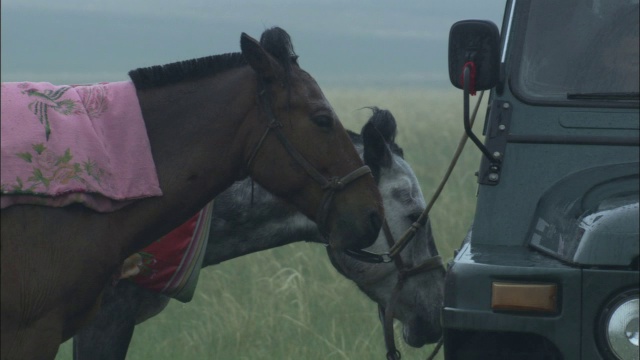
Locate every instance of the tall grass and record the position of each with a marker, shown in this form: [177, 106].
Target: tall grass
[290, 303]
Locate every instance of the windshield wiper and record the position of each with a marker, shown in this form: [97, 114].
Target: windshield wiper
[604, 96]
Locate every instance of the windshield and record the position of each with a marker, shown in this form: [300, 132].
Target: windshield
[579, 49]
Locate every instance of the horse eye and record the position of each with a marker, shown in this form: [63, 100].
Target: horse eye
[324, 121]
[414, 217]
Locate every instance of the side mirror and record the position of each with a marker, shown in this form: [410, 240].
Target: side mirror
[474, 64]
[478, 42]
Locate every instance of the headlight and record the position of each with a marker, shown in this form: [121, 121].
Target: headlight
[619, 326]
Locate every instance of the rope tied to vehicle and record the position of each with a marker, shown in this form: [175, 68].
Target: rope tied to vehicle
[386, 314]
[472, 78]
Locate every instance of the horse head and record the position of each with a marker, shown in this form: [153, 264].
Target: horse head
[301, 152]
[243, 213]
[419, 300]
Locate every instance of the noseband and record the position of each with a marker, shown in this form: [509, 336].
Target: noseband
[329, 186]
[404, 272]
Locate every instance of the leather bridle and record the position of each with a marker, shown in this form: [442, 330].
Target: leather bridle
[329, 186]
[395, 248]
[404, 273]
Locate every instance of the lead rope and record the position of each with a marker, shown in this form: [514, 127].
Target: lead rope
[387, 314]
[408, 235]
[456, 156]
[435, 349]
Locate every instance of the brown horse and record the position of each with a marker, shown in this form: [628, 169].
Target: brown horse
[210, 122]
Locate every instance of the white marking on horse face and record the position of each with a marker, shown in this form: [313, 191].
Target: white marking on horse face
[421, 296]
[403, 203]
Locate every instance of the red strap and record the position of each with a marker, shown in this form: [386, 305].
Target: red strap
[472, 81]
[162, 258]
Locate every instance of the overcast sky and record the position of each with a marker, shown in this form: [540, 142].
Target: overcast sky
[342, 43]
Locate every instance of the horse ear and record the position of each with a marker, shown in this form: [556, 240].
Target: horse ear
[263, 63]
[384, 121]
[376, 151]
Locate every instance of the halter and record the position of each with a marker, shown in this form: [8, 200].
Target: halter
[404, 272]
[396, 247]
[329, 186]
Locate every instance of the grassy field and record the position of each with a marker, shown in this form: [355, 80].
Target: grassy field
[290, 303]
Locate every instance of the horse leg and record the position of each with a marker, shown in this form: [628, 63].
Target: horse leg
[109, 333]
[38, 340]
[28, 331]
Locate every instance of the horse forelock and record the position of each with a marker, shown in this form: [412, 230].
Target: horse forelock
[385, 123]
[357, 141]
[277, 42]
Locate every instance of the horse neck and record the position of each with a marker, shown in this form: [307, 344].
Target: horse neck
[195, 130]
[244, 222]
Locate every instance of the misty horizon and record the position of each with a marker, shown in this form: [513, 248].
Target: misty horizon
[369, 44]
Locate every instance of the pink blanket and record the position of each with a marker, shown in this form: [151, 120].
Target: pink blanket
[69, 144]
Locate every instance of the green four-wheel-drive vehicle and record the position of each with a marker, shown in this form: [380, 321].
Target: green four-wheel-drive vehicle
[549, 269]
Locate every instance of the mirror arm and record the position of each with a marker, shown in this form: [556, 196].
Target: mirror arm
[501, 79]
[467, 125]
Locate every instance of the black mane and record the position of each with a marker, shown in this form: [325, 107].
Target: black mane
[160, 75]
[274, 40]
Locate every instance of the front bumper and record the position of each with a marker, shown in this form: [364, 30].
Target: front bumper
[472, 330]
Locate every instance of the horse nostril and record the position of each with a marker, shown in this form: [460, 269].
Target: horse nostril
[368, 233]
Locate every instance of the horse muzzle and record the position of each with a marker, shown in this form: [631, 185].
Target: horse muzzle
[419, 332]
[353, 233]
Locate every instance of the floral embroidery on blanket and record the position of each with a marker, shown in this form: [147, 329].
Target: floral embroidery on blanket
[94, 99]
[77, 143]
[50, 167]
